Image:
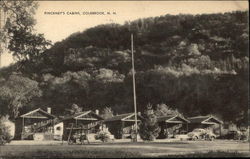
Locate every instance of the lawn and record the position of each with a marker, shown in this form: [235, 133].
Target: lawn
[127, 150]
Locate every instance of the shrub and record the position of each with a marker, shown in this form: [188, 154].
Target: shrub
[5, 136]
[103, 136]
[243, 137]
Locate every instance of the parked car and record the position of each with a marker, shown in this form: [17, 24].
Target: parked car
[210, 136]
[201, 134]
[182, 136]
[233, 135]
[78, 138]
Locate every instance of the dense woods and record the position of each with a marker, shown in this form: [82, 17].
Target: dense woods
[197, 64]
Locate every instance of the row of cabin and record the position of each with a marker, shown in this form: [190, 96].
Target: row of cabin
[41, 125]
[121, 125]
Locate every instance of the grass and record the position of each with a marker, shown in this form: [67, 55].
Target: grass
[210, 154]
[84, 153]
[112, 153]
[127, 150]
[41, 154]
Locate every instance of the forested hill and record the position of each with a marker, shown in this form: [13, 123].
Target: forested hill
[197, 64]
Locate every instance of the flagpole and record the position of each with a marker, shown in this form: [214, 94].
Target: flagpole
[133, 75]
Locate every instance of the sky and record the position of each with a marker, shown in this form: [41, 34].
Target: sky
[58, 27]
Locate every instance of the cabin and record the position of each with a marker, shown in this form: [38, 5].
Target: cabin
[57, 129]
[86, 122]
[31, 122]
[172, 125]
[205, 122]
[121, 125]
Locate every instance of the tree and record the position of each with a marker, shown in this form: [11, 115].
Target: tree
[17, 91]
[201, 63]
[106, 75]
[193, 50]
[60, 91]
[177, 57]
[75, 109]
[18, 31]
[149, 129]
[107, 112]
[164, 110]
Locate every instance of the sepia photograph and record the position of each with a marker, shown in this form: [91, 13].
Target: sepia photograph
[124, 79]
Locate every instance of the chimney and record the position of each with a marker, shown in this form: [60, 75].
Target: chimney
[49, 110]
[97, 111]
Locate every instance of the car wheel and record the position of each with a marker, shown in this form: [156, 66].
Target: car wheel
[195, 138]
[212, 138]
[70, 142]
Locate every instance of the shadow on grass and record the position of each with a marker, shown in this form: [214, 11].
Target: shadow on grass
[118, 154]
[136, 143]
[41, 154]
[210, 154]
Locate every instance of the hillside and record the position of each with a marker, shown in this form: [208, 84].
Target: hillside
[197, 64]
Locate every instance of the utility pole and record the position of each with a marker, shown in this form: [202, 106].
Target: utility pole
[134, 92]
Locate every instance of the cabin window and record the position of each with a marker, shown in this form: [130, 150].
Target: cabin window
[58, 128]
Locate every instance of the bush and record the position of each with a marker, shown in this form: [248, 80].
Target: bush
[5, 136]
[103, 136]
[243, 137]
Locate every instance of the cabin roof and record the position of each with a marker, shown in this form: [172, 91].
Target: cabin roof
[204, 119]
[74, 117]
[81, 115]
[121, 117]
[38, 113]
[172, 118]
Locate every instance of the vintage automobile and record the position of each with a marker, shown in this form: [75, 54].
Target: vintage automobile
[235, 135]
[197, 134]
[182, 136]
[78, 139]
